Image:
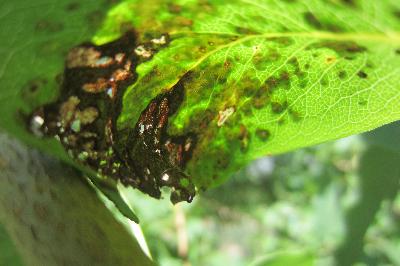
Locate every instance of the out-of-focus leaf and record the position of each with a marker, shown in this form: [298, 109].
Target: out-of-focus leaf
[8, 252]
[380, 175]
[286, 258]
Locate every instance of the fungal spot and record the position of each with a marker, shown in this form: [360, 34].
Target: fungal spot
[202, 49]
[277, 107]
[342, 74]
[262, 96]
[274, 55]
[263, 134]
[362, 74]
[284, 80]
[296, 116]
[33, 86]
[245, 31]
[312, 20]
[223, 161]
[224, 115]
[243, 137]
[330, 59]
[347, 49]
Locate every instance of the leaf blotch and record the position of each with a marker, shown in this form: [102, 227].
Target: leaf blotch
[245, 31]
[347, 49]
[278, 108]
[312, 20]
[342, 74]
[296, 116]
[263, 134]
[243, 138]
[362, 74]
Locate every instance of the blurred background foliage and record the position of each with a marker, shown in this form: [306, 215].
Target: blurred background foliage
[337, 203]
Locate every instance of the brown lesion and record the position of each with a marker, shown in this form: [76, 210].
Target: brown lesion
[84, 120]
[158, 157]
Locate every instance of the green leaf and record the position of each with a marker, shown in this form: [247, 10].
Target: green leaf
[300, 258]
[253, 77]
[265, 77]
[112, 193]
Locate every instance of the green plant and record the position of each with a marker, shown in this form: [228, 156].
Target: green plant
[185, 93]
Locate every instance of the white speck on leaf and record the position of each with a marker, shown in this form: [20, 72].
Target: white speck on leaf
[224, 115]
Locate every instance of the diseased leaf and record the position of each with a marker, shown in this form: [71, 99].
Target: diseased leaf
[264, 77]
[216, 84]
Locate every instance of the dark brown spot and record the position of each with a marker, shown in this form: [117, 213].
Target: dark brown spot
[34, 85]
[362, 74]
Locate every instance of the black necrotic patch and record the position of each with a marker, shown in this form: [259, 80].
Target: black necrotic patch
[84, 120]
